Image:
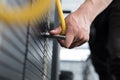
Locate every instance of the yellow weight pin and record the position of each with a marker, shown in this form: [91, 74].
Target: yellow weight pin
[61, 16]
[63, 25]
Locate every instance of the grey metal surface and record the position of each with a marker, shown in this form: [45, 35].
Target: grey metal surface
[24, 55]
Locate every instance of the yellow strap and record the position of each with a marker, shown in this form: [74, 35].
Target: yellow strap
[27, 13]
[61, 16]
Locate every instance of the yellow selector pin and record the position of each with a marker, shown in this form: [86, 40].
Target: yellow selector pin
[63, 25]
[61, 16]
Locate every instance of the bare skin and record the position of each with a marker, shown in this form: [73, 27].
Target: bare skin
[78, 23]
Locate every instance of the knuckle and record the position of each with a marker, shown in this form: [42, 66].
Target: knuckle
[86, 39]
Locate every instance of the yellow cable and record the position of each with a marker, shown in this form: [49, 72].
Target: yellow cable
[61, 16]
[27, 13]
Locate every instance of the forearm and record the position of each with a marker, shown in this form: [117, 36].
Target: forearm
[91, 8]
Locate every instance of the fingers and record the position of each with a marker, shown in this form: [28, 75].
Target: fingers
[72, 40]
[69, 39]
[56, 31]
[77, 32]
[67, 42]
[77, 43]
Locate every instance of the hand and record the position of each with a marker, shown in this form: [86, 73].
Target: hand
[78, 23]
[77, 31]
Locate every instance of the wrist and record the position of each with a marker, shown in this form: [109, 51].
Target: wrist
[91, 8]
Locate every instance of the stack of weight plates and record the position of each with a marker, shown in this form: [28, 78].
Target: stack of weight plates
[24, 54]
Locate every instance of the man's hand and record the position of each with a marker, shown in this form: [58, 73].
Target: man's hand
[78, 23]
[77, 31]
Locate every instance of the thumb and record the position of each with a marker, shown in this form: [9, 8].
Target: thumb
[56, 31]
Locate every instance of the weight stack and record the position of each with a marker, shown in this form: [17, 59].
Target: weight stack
[24, 54]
